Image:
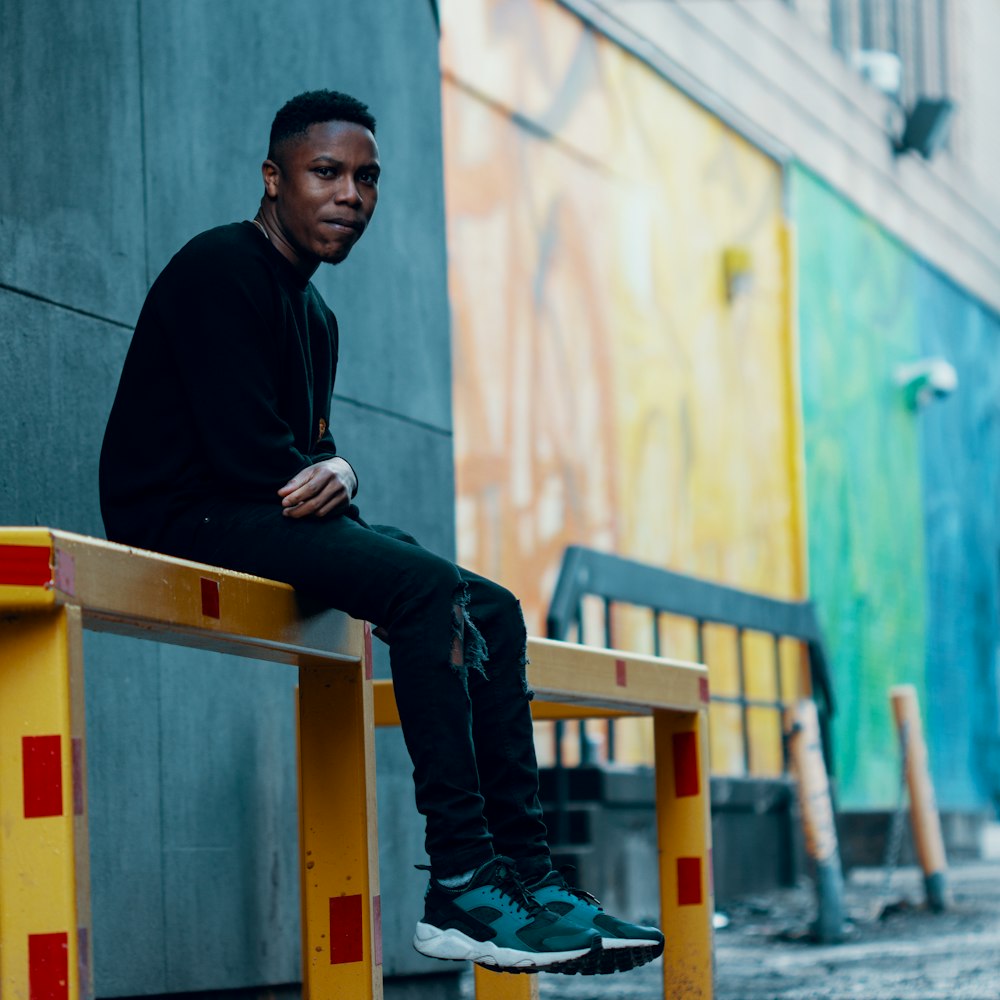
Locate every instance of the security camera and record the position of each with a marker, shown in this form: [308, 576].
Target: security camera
[925, 380]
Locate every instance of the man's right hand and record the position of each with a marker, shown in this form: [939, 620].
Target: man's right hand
[321, 489]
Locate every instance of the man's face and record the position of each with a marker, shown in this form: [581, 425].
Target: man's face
[324, 187]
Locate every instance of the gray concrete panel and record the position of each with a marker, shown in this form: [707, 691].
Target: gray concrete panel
[406, 472]
[71, 205]
[229, 806]
[192, 759]
[57, 382]
[215, 74]
[123, 768]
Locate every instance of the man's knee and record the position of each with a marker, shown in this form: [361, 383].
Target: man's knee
[491, 600]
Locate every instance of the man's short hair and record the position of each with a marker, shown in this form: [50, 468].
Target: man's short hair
[312, 107]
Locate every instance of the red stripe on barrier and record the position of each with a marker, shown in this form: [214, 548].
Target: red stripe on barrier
[77, 746]
[369, 662]
[209, 598]
[25, 565]
[41, 763]
[689, 881]
[621, 676]
[48, 966]
[346, 938]
[685, 764]
[377, 928]
[703, 689]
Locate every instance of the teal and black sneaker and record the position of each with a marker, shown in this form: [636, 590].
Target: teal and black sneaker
[493, 921]
[623, 945]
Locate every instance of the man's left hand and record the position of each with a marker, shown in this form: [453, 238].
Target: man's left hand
[323, 488]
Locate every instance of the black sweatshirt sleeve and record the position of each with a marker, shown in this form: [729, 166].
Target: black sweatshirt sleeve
[226, 341]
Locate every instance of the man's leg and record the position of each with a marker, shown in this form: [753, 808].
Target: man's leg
[505, 749]
[502, 730]
[419, 600]
[412, 594]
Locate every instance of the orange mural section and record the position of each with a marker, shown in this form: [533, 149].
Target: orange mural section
[623, 357]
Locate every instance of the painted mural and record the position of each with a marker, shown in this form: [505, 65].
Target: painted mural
[960, 446]
[611, 389]
[902, 503]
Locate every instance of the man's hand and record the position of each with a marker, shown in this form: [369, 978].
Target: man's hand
[323, 488]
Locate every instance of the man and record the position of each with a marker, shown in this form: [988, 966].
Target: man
[218, 449]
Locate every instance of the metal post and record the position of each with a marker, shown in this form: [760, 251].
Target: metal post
[780, 698]
[505, 986]
[816, 807]
[924, 817]
[685, 838]
[341, 905]
[45, 947]
[744, 708]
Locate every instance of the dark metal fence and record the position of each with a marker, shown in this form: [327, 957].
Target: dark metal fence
[614, 580]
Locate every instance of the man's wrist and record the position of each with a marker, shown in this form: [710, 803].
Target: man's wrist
[354, 475]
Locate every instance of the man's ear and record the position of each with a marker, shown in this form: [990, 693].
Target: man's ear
[271, 173]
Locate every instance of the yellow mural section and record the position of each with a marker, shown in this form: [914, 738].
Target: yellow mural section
[623, 365]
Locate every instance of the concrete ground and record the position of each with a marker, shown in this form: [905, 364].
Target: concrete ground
[906, 954]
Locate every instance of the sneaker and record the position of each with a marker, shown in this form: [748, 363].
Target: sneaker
[493, 921]
[623, 945]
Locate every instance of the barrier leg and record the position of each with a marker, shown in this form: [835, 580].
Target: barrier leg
[44, 856]
[505, 985]
[925, 820]
[341, 907]
[685, 839]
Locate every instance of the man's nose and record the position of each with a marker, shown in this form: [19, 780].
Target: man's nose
[348, 193]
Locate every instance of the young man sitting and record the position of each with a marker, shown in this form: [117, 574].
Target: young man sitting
[219, 449]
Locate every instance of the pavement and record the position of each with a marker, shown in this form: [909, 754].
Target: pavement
[896, 949]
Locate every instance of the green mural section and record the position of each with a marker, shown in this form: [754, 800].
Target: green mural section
[857, 322]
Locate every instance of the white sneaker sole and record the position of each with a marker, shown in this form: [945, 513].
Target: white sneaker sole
[453, 945]
[609, 943]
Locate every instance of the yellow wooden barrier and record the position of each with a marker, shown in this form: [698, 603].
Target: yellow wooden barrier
[53, 584]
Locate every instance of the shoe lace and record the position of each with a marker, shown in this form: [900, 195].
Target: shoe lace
[565, 873]
[506, 882]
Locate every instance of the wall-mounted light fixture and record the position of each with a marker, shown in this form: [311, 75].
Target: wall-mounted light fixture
[925, 380]
[882, 69]
[927, 126]
[737, 267]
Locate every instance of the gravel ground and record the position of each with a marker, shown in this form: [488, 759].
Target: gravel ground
[906, 954]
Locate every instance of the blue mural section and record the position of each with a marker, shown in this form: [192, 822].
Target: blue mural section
[960, 453]
[903, 501]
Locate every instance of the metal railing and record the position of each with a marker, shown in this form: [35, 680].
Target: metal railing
[615, 580]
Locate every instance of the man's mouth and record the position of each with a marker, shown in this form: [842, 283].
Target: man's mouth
[346, 225]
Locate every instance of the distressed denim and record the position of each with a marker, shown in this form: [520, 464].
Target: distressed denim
[457, 653]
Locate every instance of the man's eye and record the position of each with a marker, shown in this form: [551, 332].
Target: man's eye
[323, 171]
[368, 178]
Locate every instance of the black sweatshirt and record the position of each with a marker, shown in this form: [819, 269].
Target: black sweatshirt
[226, 388]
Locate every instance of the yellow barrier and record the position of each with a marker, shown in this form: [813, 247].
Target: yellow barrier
[53, 584]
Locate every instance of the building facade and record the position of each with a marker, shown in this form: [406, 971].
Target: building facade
[688, 262]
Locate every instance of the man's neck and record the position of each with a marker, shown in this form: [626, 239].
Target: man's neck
[268, 224]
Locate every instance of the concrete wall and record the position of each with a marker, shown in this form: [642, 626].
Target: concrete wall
[129, 127]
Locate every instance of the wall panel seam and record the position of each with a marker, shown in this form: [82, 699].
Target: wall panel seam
[62, 305]
[393, 415]
[142, 143]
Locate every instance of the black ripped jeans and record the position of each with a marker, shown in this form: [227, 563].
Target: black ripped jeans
[456, 643]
